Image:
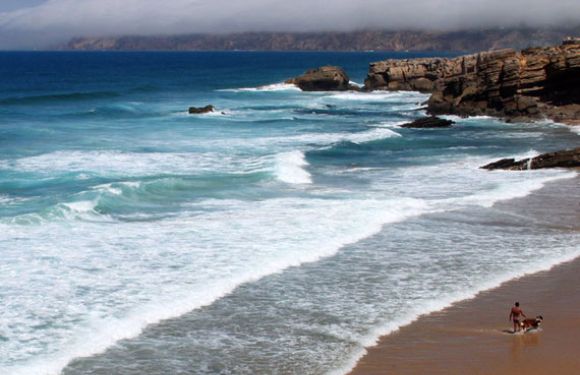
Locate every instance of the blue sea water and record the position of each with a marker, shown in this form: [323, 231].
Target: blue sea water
[281, 234]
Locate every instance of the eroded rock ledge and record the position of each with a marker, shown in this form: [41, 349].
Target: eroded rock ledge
[532, 84]
[558, 159]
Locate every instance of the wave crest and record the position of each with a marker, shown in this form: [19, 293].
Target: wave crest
[290, 168]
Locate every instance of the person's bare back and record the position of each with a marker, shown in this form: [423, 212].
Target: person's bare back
[515, 314]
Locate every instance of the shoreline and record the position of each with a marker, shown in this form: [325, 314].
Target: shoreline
[465, 338]
[468, 336]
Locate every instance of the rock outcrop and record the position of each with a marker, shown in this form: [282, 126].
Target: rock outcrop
[532, 84]
[326, 78]
[429, 122]
[201, 110]
[558, 159]
[415, 74]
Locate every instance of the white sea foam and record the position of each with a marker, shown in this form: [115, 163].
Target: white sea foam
[290, 168]
[4, 199]
[379, 96]
[7, 200]
[129, 163]
[118, 163]
[218, 114]
[391, 124]
[80, 206]
[461, 182]
[116, 188]
[109, 188]
[469, 118]
[81, 210]
[273, 87]
[303, 140]
[191, 268]
[299, 231]
[372, 134]
[531, 153]
[573, 128]
[504, 192]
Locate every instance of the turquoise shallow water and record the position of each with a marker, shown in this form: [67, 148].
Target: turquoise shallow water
[281, 234]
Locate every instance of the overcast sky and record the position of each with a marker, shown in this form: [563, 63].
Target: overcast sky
[36, 23]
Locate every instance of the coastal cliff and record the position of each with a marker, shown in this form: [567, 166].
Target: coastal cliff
[365, 40]
[531, 84]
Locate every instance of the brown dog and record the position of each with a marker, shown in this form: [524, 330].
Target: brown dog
[528, 324]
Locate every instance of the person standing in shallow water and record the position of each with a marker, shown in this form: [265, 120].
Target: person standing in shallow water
[515, 315]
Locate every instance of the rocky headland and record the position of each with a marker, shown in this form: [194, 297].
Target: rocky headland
[532, 84]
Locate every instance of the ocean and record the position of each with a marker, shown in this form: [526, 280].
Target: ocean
[281, 234]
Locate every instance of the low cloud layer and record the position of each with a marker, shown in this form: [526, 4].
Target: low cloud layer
[58, 20]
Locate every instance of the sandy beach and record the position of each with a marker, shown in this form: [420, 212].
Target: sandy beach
[473, 336]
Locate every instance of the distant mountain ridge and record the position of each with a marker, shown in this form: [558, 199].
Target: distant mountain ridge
[462, 41]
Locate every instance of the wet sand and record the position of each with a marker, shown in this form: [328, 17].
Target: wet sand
[474, 336]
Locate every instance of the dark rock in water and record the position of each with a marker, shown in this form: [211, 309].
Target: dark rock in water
[558, 159]
[326, 78]
[429, 122]
[500, 164]
[518, 85]
[200, 110]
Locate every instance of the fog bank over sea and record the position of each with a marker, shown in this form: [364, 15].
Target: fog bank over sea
[41, 24]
